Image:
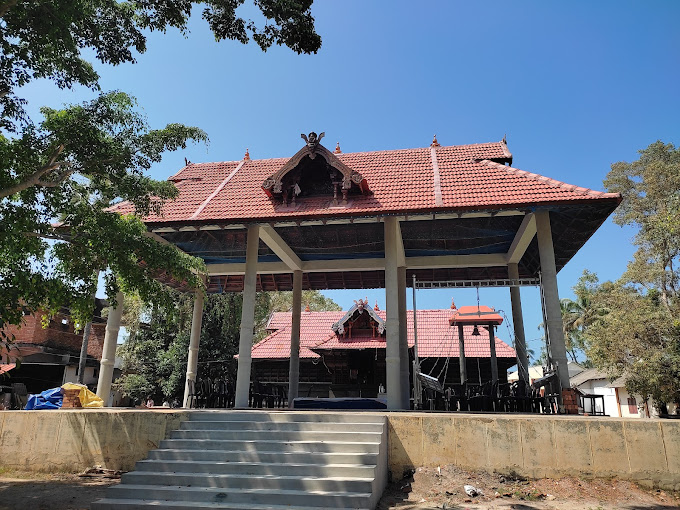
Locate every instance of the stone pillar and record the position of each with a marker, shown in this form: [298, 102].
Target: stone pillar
[392, 352]
[492, 350]
[247, 318]
[558, 351]
[403, 340]
[461, 354]
[194, 339]
[109, 350]
[294, 369]
[518, 324]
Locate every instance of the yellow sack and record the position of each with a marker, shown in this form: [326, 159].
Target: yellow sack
[87, 398]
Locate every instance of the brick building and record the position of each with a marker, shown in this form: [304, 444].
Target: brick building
[50, 355]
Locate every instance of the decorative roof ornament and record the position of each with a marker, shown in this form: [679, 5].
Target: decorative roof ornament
[312, 141]
[435, 143]
[290, 180]
[505, 139]
[337, 148]
[307, 309]
[453, 304]
[376, 306]
[246, 157]
[360, 306]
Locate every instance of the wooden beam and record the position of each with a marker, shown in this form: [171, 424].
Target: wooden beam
[276, 243]
[523, 237]
[377, 264]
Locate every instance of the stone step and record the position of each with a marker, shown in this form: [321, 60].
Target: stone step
[271, 446]
[142, 504]
[203, 455]
[280, 425]
[278, 435]
[259, 468]
[286, 416]
[246, 481]
[199, 495]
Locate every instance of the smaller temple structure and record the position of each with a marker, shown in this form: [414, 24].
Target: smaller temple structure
[342, 353]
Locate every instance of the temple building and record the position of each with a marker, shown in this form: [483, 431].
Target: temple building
[342, 353]
[456, 216]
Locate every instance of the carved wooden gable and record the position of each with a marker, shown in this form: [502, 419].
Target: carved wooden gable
[360, 318]
[314, 171]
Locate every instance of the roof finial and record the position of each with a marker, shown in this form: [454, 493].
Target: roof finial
[187, 162]
[307, 309]
[337, 148]
[435, 143]
[505, 139]
[453, 304]
[376, 306]
[246, 157]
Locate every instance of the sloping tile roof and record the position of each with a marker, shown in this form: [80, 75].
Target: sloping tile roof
[474, 314]
[401, 180]
[435, 337]
[590, 374]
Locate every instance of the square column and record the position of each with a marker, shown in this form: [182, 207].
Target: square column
[109, 350]
[518, 325]
[461, 354]
[492, 351]
[403, 341]
[194, 339]
[558, 351]
[247, 318]
[294, 369]
[395, 399]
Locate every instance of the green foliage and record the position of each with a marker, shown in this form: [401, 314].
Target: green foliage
[634, 329]
[155, 358]
[637, 338]
[71, 168]
[47, 38]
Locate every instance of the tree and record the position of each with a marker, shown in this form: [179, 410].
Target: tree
[47, 38]
[80, 160]
[650, 188]
[636, 334]
[578, 315]
[155, 358]
[87, 157]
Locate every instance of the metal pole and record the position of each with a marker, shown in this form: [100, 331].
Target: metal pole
[417, 390]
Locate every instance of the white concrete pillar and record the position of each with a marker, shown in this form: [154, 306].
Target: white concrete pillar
[247, 318]
[294, 370]
[403, 340]
[518, 325]
[109, 351]
[392, 358]
[461, 354]
[492, 350]
[194, 339]
[558, 351]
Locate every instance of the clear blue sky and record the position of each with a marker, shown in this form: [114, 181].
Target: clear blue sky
[575, 86]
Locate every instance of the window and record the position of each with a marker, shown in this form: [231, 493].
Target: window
[632, 405]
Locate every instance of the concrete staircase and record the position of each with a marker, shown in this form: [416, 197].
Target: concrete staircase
[261, 460]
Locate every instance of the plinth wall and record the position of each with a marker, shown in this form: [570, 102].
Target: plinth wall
[647, 451]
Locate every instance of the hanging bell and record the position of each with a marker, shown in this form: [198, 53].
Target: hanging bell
[475, 331]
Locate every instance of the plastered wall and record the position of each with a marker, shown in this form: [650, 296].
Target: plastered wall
[647, 451]
[51, 441]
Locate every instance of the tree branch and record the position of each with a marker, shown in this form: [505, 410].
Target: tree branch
[4, 7]
[35, 179]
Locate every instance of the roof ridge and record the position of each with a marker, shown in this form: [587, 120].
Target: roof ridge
[549, 180]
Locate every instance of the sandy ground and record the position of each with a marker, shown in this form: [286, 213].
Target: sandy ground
[428, 488]
[444, 488]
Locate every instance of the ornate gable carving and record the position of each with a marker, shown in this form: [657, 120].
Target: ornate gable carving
[360, 317]
[314, 171]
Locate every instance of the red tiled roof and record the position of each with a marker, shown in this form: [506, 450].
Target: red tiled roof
[475, 315]
[401, 180]
[6, 367]
[435, 337]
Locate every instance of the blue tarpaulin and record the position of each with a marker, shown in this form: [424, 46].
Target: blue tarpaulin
[48, 399]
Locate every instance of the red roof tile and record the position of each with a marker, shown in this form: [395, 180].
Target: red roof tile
[435, 337]
[401, 180]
